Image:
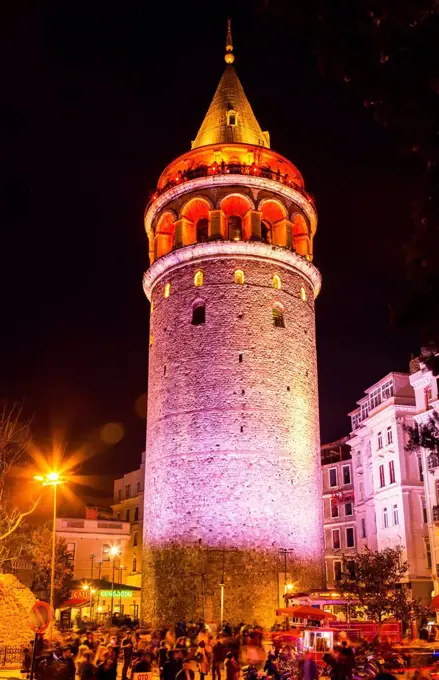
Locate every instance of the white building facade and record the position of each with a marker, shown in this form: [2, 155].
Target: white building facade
[388, 480]
[425, 386]
[128, 507]
[338, 508]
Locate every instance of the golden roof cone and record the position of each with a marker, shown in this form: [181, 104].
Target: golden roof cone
[230, 118]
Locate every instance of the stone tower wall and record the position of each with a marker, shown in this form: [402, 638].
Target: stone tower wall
[232, 471]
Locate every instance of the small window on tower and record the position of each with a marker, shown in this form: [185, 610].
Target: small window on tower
[202, 230]
[198, 314]
[199, 278]
[278, 316]
[277, 282]
[232, 117]
[167, 290]
[239, 276]
[266, 231]
[303, 294]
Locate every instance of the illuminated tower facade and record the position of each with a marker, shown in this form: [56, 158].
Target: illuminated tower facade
[232, 469]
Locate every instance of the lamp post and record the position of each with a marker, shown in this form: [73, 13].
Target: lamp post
[114, 552]
[121, 569]
[99, 590]
[53, 479]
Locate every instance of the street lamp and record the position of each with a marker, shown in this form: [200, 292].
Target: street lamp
[114, 552]
[53, 479]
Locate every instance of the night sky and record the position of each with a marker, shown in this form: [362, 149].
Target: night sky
[97, 99]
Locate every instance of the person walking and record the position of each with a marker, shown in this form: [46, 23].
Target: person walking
[107, 668]
[202, 660]
[218, 654]
[127, 650]
[86, 668]
[186, 672]
[232, 667]
[67, 661]
[162, 657]
[308, 668]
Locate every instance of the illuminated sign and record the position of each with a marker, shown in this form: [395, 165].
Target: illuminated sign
[116, 593]
[79, 595]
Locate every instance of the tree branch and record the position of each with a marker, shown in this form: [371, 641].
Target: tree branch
[19, 519]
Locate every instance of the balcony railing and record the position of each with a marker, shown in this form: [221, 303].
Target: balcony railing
[433, 461]
[435, 513]
[231, 169]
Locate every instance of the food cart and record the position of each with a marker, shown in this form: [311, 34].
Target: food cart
[315, 636]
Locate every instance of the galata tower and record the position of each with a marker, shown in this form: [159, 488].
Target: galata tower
[232, 470]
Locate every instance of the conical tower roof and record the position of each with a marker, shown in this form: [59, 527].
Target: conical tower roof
[230, 118]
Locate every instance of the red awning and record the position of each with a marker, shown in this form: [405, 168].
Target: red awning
[75, 603]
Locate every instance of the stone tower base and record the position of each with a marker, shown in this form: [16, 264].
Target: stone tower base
[185, 583]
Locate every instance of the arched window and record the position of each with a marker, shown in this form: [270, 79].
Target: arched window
[198, 314]
[167, 290]
[266, 231]
[278, 316]
[232, 117]
[277, 282]
[134, 563]
[135, 538]
[202, 230]
[239, 276]
[199, 278]
[234, 224]
[303, 294]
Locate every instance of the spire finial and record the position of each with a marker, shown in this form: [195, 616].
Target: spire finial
[229, 57]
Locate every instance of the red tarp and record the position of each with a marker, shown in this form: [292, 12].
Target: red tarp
[305, 612]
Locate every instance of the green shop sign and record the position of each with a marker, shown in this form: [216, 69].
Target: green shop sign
[116, 593]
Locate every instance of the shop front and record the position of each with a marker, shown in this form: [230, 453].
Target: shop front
[95, 602]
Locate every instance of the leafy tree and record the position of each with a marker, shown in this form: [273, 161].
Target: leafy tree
[15, 439]
[374, 579]
[425, 435]
[41, 551]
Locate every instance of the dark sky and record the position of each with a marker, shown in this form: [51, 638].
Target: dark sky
[97, 99]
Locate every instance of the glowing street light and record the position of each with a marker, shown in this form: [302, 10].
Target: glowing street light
[52, 479]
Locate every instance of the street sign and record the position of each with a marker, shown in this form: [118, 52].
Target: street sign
[40, 616]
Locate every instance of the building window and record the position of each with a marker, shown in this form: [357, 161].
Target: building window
[356, 421]
[363, 527]
[333, 477]
[428, 551]
[337, 570]
[385, 518]
[136, 513]
[303, 294]
[334, 509]
[391, 472]
[234, 225]
[387, 390]
[266, 231]
[202, 230]
[277, 283]
[346, 474]
[167, 290]
[375, 398]
[137, 487]
[134, 563]
[364, 410]
[421, 474]
[350, 568]
[395, 515]
[232, 117]
[118, 515]
[348, 509]
[389, 434]
[135, 538]
[424, 511]
[198, 314]
[380, 440]
[350, 538]
[198, 278]
[336, 539]
[239, 276]
[127, 490]
[71, 549]
[278, 317]
[382, 477]
[127, 515]
[105, 552]
[119, 494]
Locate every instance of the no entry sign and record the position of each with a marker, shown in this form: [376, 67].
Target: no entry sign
[40, 616]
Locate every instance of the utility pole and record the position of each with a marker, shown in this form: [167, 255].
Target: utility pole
[285, 552]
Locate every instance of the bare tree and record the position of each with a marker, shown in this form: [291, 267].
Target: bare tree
[15, 439]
